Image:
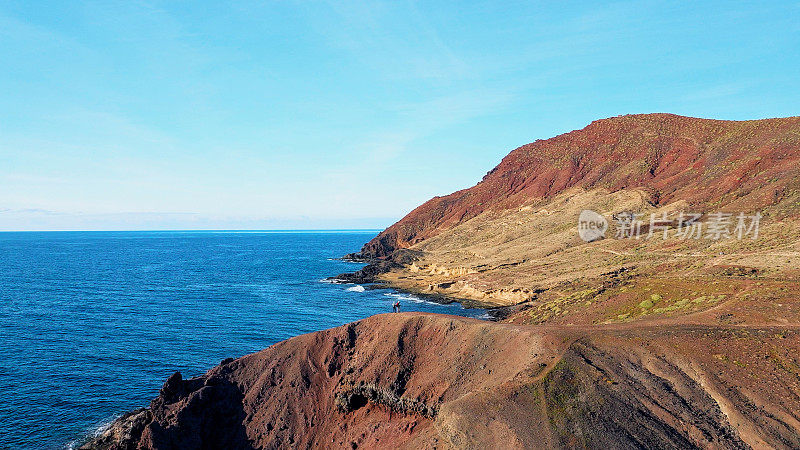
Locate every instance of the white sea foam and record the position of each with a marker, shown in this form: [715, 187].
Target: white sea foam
[93, 433]
[346, 261]
[410, 298]
[333, 281]
[356, 288]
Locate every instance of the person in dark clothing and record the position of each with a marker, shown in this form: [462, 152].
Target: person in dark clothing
[396, 307]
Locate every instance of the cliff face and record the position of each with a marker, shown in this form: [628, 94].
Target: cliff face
[738, 165]
[429, 381]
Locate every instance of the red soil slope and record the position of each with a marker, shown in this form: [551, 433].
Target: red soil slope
[431, 381]
[733, 165]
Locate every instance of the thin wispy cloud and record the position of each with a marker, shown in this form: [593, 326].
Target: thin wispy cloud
[334, 110]
[393, 39]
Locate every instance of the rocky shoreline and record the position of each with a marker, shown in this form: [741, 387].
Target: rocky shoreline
[375, 270]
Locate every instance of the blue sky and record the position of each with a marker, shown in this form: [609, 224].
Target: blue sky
[262, 115]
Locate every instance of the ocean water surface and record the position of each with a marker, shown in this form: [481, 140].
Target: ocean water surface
[92, 323]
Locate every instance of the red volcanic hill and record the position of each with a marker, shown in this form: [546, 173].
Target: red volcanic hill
[427, 381]
[734, 165]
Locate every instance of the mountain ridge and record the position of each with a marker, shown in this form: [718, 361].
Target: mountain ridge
[669, 156]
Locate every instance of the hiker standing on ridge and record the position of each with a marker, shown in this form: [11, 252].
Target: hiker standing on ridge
[396, 307]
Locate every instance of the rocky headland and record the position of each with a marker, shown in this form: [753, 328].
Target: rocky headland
[657, 342]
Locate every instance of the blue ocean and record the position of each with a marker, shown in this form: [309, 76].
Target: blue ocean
[92, 323]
